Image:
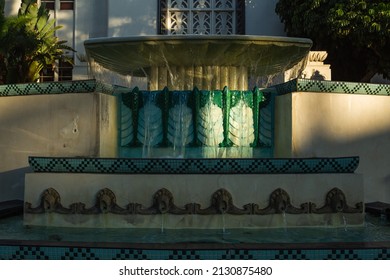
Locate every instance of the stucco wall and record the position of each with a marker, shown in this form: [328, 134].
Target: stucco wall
[52, 125]
[131, 17]
[261, 19]
[11, 7]
[127, 18]
[326, 124]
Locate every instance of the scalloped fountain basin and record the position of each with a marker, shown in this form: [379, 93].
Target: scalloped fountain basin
[206, 62]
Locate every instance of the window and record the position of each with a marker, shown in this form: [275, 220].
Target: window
[49, 4]
[222, 17]
[66, 4]
[62, 71]
[47, 75]
[65, 69]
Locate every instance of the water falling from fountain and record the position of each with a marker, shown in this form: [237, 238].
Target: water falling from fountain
[162, 223]
[345, 223]
[285, 225]
[150, 132]
[180, 124]
[210, 127]
[241, 131]
[223, 223]
[207, 62]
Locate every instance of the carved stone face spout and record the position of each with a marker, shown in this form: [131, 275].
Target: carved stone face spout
[105, 204]
[50, 200]
[281, 206]
[279, 201]
[163, 200]
[338, 204]
[105, 200]
[336, 200]
[163, 205]
[222, 201]
[222, 206]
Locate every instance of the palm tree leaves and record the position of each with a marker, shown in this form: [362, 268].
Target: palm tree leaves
[28, 44]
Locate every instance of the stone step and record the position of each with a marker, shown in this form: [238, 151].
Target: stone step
[11, 208]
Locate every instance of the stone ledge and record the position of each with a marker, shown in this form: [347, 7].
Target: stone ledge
[11, 208]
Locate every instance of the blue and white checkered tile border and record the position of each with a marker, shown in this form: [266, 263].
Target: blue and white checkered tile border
[194, 166]
[11, 252]
[82, 86]
[303, 85]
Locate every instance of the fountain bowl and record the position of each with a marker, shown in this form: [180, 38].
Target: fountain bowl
[242, 56]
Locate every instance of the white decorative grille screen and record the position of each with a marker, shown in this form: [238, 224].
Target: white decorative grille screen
[199, 17]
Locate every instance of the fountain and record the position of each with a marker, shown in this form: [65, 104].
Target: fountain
[190, 148]
[197, 89]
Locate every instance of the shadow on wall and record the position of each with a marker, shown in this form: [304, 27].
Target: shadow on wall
[373, 150]
[12, 184]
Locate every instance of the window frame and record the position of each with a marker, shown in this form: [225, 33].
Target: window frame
[62, 70]
[49, 4]
[67, 5]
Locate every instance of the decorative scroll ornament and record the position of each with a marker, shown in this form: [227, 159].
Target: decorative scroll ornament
[279, 203]
[317, 56]
[50, 201]
[222, 203]
[336, 202]
[106, 203]
[163, 203]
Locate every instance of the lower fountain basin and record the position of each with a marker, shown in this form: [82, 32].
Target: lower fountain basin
[203, 193]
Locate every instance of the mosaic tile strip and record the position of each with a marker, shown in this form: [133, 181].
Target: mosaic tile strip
[48, 88]
[194, 166]
[304, 85]
[80, 253]
[82, 86]
[295, 85]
